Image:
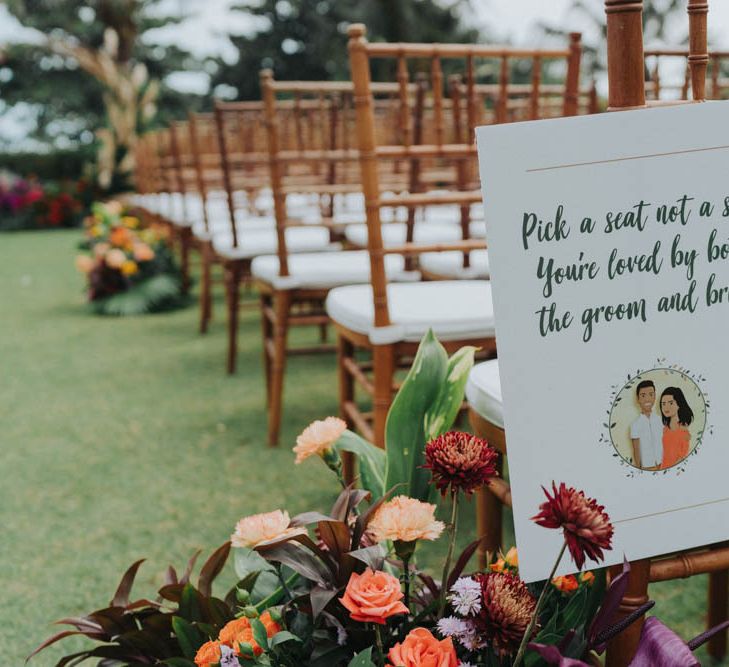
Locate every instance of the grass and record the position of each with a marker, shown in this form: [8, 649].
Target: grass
[123, 439]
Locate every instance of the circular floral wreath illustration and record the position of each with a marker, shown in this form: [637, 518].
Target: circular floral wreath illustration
[623, 409]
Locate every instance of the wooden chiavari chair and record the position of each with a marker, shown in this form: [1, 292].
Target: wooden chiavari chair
[388, 321]
[244, 156]
[293, 287]
[679, 87]
[626, 64]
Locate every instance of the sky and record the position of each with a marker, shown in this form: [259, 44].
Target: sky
[208, 21]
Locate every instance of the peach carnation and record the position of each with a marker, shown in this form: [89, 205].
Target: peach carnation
[115, 258]
[84, 263]
[421, 649]
[372, 597]
[406, 520]
[208, 654]
[100, 249]
[258, 529]
[143, 253]
[318, 437]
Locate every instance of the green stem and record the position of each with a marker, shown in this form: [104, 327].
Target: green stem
[449, 555]
[406, 579]
[535, 616]
[380, 648]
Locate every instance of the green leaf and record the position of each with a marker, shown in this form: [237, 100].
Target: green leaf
[405, 427]
[363, 659]
[259, 633]
[441, 415]
[189, 604]
[283, 637]
[372, 461]
[188, 636]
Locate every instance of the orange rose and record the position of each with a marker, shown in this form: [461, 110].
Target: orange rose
[587, 578]
[421, 649]
[239, 631]
[372, 597]
[208, 654]
[566, 584]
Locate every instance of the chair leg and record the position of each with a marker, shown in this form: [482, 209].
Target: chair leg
[488, 523]
[232, 290]
[185, 241]
[281, 305]
[622, 648]
[718, 612]
[205, 289]
[267, 336]
[383, 359]
[345, 350]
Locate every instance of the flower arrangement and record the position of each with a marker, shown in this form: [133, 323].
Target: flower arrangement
[129, 266]
[343, 588]
[30, 204]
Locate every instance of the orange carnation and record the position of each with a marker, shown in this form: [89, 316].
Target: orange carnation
[372, 597]
[421, 649]
[208, 654]
[239, 631]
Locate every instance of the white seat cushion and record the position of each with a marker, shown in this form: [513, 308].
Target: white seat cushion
[430, 232]
[483, 392]
[449, 265]
[453, 309]
[327, 270]
[264, 242]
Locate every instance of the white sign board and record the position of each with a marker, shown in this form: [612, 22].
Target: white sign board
[609, 254]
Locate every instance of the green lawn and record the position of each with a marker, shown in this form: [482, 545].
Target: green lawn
[123, 439]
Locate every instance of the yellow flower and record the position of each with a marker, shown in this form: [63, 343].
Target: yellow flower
[115, 258]
[504, 562]
[406, 520]
[130, 221]
[587, 578]
[96, 231]
[84, 263]
[252, 531]
[129, 268]
[318, 437]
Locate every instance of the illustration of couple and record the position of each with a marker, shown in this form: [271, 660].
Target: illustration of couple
[660, 441]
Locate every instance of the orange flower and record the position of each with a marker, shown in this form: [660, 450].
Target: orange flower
[208, 654]
[239, 631]
[587, 578]
[120, 237]
[510, 560]
[143, 253]
[129, 267]
[372, 597]
[252, 531]
[566, 584]
[318, 437]
[406, 520]
[421, 649]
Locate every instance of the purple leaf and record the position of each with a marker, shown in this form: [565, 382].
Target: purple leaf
[212, 569]
[190, 565]
[462, 562]
[121, 597]
[610, 605]
[661, 647]
[552, 656]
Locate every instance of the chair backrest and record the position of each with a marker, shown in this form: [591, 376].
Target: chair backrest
[243, 156]
[679, 86]
[447, 141]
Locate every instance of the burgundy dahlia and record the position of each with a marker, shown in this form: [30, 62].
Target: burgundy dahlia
[586, 526]
[506, 609]
[460, 461]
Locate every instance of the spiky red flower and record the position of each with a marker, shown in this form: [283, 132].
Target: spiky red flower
[460, 461]
[506, 609]
[586, 526]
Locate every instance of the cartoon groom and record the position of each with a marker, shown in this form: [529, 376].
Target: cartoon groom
[646, 432]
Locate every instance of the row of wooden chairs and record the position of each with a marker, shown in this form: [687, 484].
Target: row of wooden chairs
[380, 179]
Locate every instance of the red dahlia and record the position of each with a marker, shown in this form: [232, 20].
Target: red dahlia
[586, 526]
[460, 461]
[506, 609]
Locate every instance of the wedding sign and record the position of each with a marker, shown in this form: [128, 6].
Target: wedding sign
[609, 255]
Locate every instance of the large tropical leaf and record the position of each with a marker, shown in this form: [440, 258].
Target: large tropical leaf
[372, 461]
